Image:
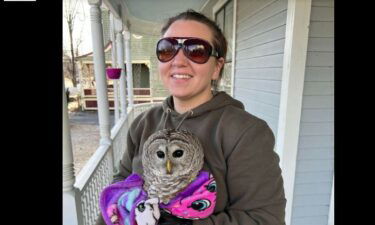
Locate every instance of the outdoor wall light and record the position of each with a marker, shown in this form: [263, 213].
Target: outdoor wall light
[137, 36]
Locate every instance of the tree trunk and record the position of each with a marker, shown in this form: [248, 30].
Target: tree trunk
[74, 80]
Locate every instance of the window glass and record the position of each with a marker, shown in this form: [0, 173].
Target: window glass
[224, 19]
[226, 81]
[220, 18]
[228, 28]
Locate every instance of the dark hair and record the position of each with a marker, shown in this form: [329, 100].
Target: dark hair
[219, 40]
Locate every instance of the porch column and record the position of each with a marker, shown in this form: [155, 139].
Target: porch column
[129, 69]
[113, 51]
[331, 214]
[81, 86]
[120, 63]
[295, 51]
[69, 205]
[99, 70]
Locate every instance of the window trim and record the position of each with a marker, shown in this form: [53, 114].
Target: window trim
[217, 7]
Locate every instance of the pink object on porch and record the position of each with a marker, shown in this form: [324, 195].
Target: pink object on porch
[113, 73]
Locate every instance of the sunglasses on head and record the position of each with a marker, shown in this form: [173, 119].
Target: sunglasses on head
[195, 49]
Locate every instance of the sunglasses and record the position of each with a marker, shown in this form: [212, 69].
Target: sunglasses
[195, 49]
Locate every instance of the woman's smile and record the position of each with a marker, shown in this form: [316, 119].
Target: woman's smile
[181, 76]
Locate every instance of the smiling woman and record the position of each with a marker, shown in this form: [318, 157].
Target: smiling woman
[237, 146]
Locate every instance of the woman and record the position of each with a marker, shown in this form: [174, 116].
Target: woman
[238, 146]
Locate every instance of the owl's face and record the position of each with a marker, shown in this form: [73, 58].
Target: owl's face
[171, 160]
[172, 154]
[171, 157]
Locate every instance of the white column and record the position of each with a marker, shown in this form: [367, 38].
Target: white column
[99, 70]
[115, 82]
[129, 69]
[234, 33]
[79, 72]
[295, 50]
[120, 63]
[331, 214]
[69, 205]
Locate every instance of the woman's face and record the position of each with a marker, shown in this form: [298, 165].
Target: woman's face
[198, 83]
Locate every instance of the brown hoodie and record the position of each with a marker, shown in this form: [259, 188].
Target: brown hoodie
[238, 149]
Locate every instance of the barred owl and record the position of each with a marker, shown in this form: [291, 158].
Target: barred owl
[171, 160]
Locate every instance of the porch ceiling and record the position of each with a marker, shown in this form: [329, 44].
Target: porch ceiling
[147, 16]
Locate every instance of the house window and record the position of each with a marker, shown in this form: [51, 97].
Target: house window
[141, 76]
[224, 19]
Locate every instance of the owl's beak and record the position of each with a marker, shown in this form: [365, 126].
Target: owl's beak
[169, 167]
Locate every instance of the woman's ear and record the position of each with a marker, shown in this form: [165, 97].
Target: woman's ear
[219, 64]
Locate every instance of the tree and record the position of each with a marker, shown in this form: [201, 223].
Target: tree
[71, 10]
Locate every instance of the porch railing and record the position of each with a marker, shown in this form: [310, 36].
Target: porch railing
[98, 171]
[140, 96]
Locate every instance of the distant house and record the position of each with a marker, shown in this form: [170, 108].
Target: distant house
[146, 82]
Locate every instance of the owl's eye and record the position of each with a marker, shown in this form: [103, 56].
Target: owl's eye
[178, 153]
[200, 205]
[160, 154]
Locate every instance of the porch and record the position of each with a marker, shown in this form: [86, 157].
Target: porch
[280, 66]
[141, 95]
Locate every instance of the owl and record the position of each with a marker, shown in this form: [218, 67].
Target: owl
[171, 160]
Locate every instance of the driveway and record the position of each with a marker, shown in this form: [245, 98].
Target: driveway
[88, 117]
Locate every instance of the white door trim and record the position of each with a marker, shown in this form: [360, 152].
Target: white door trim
[234, 37]
[295, 51]
[331, 215]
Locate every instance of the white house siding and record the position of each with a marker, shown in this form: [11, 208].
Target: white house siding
[260, 37]
[314, 171]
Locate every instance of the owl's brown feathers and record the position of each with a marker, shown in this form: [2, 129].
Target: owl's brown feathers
[184, 152]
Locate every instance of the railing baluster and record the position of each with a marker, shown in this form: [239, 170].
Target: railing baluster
[98, 172]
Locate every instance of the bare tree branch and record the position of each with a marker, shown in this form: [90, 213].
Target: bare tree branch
[71, 10]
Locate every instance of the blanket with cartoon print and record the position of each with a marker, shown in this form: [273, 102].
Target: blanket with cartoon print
[126, 203]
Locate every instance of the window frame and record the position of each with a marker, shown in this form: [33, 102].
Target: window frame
[215, 10]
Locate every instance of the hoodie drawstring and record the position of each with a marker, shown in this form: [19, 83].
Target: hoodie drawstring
[166, 118]
[183, 119]
[168, 111]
